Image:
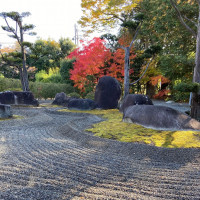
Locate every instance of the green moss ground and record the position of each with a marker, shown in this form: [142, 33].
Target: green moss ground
[13, 117]
[115, 128]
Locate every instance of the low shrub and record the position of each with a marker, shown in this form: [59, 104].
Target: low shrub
[74, 94]
[49, 90]
[187, 87]
[8, 84]
[39, 89]
[181, 96]
[90, 95]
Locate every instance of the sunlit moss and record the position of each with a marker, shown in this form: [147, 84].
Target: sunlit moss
[50, 106]
[13, 117]
[114, 128]
[186, 139]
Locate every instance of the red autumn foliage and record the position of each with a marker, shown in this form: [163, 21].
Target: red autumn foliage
[156, 79]
[94, 59]
[162, 94]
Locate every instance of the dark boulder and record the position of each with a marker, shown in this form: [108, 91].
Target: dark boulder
[82, 104]
[134, 99]
[16, 98]
[107, 93]
[159, 117]
[7, 97]
[26, 98]
[60, 99]
[5, 111]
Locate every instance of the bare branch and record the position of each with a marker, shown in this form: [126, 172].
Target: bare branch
[182, 20]
[143, 72]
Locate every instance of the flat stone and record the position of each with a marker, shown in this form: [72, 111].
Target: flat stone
[18, 98]
[82, 104]
[5, 111]
[159, 117]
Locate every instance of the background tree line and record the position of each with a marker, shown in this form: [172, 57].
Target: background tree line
[159, 40]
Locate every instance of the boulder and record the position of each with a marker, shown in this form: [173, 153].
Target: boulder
[10, 97]
[134, 99]
[7, 97]
[60, 99]
[5, 111]
[82, 104]
[159, 117]
[26, 98]
[107, 93]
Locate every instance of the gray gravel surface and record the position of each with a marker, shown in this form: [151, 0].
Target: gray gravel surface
[47, 155]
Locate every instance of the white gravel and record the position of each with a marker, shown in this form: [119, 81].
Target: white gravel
[48, 156]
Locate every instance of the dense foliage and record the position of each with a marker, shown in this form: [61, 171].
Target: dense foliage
[40, 90]
[95, 60]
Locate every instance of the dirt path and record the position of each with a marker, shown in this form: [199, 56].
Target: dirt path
[47, 156]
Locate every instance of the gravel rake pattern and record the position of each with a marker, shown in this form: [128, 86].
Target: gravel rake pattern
[47, 155]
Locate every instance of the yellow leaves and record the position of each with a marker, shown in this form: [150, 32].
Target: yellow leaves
[105, 11]
[115, 128]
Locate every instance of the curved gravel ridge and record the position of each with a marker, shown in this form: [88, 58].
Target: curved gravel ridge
[47, 155]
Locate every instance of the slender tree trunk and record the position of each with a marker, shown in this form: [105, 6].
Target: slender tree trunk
[126, 71]
[195, 103]
[24, 75]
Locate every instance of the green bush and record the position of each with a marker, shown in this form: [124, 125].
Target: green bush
[39, 89]
[49, 90]
[52, 77]
[14, 89]
[74, 94]
[90, 95]
[55, 78]
[181, 96]
[8, 84]
[187, 87]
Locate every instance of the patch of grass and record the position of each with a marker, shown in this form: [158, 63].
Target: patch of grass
[115, 128]
[13, 117]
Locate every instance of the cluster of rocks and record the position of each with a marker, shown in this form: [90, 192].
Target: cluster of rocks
[14, 98]
[139, 109]
[107, 95]
[136, 108]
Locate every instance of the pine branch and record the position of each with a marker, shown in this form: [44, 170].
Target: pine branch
[182, 20]
[12, 30]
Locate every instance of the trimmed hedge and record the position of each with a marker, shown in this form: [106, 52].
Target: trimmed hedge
[39, 89]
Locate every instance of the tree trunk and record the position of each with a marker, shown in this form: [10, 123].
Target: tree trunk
[195, 103]
[24, 75]
[126, 71]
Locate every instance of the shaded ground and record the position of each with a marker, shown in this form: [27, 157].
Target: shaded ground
[46, 156]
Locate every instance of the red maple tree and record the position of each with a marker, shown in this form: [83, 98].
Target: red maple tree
[93, 61]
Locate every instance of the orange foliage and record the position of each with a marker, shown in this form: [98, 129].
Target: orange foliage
[7, 50]
[158, 79]
[163, 94]
[94, 59]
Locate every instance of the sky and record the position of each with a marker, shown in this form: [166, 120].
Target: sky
[52, 18]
